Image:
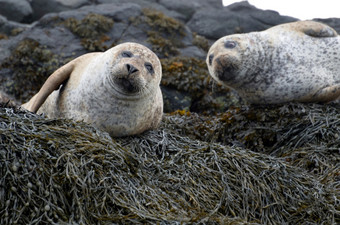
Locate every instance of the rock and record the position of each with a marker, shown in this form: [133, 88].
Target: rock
[188, 8]
[236, 18]
[15, 10]
[333, 22]
[175, 100]
[148, 4]
[42, 7]
[193, 51]
[7, 27]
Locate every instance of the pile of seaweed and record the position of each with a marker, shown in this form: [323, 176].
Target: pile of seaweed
[59, 171]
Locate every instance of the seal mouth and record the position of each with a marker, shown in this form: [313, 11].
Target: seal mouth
[127, 85]
[225, 71]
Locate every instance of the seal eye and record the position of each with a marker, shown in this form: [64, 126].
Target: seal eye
[127, 54]
[211, 57]
[149, 67]
[230, 44]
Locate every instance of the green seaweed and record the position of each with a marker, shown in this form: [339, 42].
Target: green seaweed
[30, 64]
[91, 29]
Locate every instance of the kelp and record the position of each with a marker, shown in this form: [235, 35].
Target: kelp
[56, 171]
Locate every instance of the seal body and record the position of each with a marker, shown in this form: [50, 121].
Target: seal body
[297, 61]
[117, 91]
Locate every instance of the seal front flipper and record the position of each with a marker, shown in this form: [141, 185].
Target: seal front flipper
[326, 94]
[315, 29]
[52, 83]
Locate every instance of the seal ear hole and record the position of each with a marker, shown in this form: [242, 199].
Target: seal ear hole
[230, 44]
[149, 67]
[127, 54]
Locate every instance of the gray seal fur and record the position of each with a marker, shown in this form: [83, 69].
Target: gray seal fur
[116, 91]
[297, 61]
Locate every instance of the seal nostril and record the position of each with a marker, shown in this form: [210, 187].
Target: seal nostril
[211, 58]
[131, 69]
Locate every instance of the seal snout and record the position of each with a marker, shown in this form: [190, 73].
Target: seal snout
[131, 69]
[226, 68]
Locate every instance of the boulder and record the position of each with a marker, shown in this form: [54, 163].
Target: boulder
[8, 27]
[42, 7]
[15, 10]
[236, 18]
[333, 22]
[148, 4]
[188, 8]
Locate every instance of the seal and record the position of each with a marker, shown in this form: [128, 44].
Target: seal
[297, 61]
[117, 91]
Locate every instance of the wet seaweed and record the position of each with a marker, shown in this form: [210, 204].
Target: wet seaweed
[59, 171]
[304, 135]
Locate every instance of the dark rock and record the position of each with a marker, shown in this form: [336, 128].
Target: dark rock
[16, 10]
[333, 22]
[148, 4]
[193, 51]
[42, 7]
[175, 100]
[7, 27]
[236, 18]
[188, 8]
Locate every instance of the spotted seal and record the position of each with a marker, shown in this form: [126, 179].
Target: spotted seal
[297, 61]
[117, 91]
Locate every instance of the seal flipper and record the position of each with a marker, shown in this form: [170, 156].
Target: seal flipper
[52, 83]
[326, 94]
[315, 29]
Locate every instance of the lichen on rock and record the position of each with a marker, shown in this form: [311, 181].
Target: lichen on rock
[190, 75]
[30, 65]
[91, 29]
[164, 33]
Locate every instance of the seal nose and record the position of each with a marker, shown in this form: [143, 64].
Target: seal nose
[131, 69]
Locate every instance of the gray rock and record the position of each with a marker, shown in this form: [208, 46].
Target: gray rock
[149, 4]
[193, 51]
[236, 18]
[15, 10]
[189, 7]
[333, 22]
[42, 7]
[175, 100]
[6, 26]
[118, 12]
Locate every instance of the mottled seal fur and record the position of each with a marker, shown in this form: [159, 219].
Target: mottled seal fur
[297, 61]
[117, 91]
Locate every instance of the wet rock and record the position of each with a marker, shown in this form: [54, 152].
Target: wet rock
[188, 8]
[236, 18]
[148, 4]
[9, 27]
[15, 10]
[333, 22]
[42, 7]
